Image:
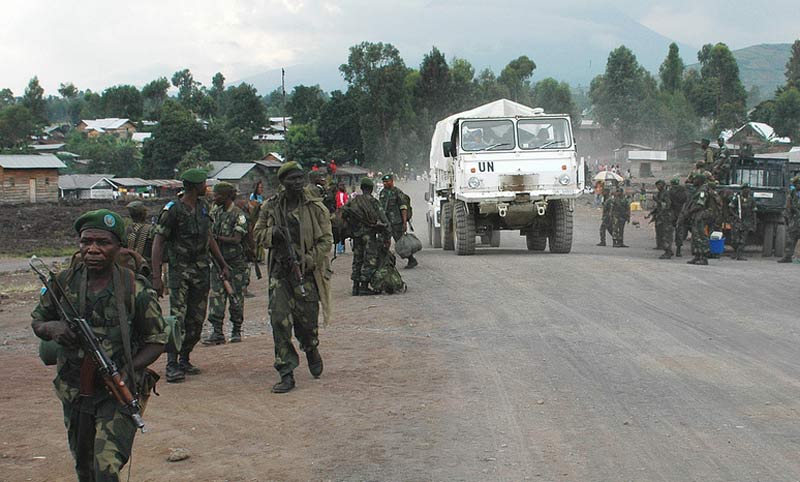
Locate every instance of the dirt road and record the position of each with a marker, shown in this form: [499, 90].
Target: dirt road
[604, 364]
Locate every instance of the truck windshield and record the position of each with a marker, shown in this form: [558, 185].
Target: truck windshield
[543, 134]
[487, 135]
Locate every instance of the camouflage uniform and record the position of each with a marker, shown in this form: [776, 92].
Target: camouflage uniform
[187, 233]
[228, 222]
[620, 214]
[678, 198]
[721, 168]
[140, 239]
[793, 223]
[698, 213]
[392, 202]
[310, 228]
[742, 221]
[369, 225]
[662, 214]
[100, 435]
[605, 222]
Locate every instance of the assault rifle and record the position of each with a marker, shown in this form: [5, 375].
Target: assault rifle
[226, 284]
[91, 345]
[294, 263]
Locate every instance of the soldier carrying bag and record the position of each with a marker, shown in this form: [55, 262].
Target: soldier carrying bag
[408, 244]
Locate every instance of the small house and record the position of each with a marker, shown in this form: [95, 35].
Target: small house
[245, 175]
[29, 178]
[122, 128]
[86, 186]
[647, 163]
[132, 186]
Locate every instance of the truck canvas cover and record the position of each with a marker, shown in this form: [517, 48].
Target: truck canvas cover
[444, 128]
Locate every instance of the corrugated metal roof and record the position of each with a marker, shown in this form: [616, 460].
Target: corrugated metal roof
[235, 171]
[46, 147]
[101, 124]
[216, 167]
[141, 136]
[270, 163]
[71, 182]
[130, 181]
[31, 161]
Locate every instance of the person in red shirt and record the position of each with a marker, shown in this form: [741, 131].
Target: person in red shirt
[341, 199]
[332, 167]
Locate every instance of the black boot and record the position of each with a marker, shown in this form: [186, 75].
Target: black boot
[285, 385]
[412, 262]
[678, 252]
[702, 261]
[186, 365]
[174, 371]
[666, 255]
[236, 334]
[216, 337]
[314, 362]
[785, 259]
[356, 288]
[601, 243]
[365, 290]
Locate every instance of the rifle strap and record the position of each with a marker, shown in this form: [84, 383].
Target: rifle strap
[122, 313]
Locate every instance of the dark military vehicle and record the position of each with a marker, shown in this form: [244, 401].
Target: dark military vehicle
[769, 178]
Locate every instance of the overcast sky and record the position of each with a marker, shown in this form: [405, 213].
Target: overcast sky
[96, 44]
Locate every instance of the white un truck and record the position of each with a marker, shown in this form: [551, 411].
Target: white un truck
[503, 166]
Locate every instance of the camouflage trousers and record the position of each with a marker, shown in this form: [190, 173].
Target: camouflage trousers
[288, 310]
[681, 233]
[605, 227]
[100, 437]
[739, 232]
[218, 297]
[700, 247]
[365, 257]
[792, 236]
[188, 300]
[664, 233]
[617, 229]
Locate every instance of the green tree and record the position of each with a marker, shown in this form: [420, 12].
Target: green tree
[793, 67]
[306, 104]
[786, 118]
[16, 125]
[463, 93]
[177, 133]
[718, 92]
[244, 109]
[124, 101]
[554, 98]
[339, 129]
[274, 103]
[68, 90]
[763, 112]
[196, 157]
[191, 95]
[303, 144]
[154, 94]
[91, 105]
[671, 70]
[6, 97]
[217, 91]
[488, 88]
[34, 101]
[516, 77]
[109, 154]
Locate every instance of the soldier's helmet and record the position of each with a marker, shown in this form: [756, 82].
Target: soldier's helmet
[675, 181]
[660, 181]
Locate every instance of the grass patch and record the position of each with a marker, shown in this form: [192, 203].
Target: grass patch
[44, 252]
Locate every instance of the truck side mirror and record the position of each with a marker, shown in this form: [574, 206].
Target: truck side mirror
[447, 147]
[427, 196]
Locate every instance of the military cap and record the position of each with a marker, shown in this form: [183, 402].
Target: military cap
[675, 180]
[367, 182]
[721, 139]
[288, 167]
[101, 219]
[194, 175]
[134, 206]
[224, 188]
[795, 179]
[660, 181]
[699, 176]
[387, 177]
[705, 140]
[746, 186]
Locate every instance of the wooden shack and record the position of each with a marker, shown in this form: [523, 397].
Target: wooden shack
[29, 178]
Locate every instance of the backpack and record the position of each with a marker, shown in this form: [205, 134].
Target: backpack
[386, 278]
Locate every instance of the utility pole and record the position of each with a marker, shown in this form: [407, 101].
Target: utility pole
[283, 108]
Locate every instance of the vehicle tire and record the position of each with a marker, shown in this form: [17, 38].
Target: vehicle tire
[465, 230]
[436, 236]
[494, 238]
[536, 240]
[780, 240]
[446, 229]
[768, 244]
[561, 236]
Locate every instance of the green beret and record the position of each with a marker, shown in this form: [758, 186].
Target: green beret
[101, 219]
[136, 206]
[675, 180]
[224, 188]
[194, 175]
[699, 176]
[367, 182]
[288, 167]
[387, 177]
[705, 140]
[660, 181]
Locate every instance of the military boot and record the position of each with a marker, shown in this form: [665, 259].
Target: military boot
[740, 254]
[174, 371]
[356, 288]
[601, 243]
[702, 261]
[785, 259]
[412, 262]
[666, 255]
[186, 365]
[285, 385]
[365, 290]
[236, 334]
[678, 252]
[314, 362]
[216, 337]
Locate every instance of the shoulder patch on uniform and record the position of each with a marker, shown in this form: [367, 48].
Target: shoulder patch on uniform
[702, 194]
[169, 205]
[242, 219]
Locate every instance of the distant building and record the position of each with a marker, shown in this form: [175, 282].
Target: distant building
[122, 128]
[647, 163]
[86, 186]
[594, 142]
[29, 178]
[245, 175]
[275, 131]
[140, 137]
[760, 136]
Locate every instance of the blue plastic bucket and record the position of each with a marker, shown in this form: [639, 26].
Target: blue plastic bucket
[717, 246]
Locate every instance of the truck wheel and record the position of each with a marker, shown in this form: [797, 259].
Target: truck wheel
[535, 240]
[769, 241]
[435, 235]
[780, 240]
[561, 236]
[446, 229]
[494, 238]
[465, 230]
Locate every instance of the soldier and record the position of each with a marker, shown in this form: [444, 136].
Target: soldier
[296, 228]
[123, 312]
[662, 214]
[792, 216]
[229, 228]
[620, 214]
[678, 198]
[743, 220]
[185, 227]
[715, 213]
[395, 204]
[605, 222]
[708, 153]
[139, 233]
[696, 214]
[722, 167]
[370, 228]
